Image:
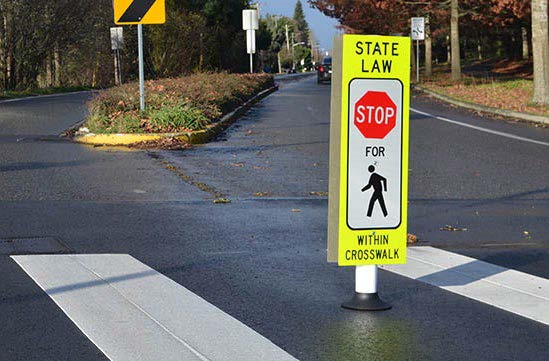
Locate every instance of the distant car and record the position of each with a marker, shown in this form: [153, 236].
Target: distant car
[324, 70]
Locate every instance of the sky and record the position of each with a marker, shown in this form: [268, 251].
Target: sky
[322, 26]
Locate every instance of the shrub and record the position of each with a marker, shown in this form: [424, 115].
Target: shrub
[173, 105]
[172, 118]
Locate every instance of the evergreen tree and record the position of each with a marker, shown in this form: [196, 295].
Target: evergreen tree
[302, 28]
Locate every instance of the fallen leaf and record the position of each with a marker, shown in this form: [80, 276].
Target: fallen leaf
[262, 194]
[164, 143]
[411, 238]
[320, 194]
[452, 228]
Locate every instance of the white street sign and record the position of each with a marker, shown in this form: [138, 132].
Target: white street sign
[375, 154]
[250, 20]
[250, 23]
[117, 38]
[418, 28]
[250, 41]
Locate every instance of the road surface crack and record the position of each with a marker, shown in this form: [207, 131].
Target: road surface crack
[188, 179]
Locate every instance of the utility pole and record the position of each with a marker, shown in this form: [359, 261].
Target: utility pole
[293, 52]
[287, 39]
[278, 52]
[257, 5]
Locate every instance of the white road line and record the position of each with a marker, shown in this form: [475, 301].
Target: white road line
[510, 290]
[486, 130]
[132, 312]
[32, 97]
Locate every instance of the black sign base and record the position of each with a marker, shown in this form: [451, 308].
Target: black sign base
[366, 302]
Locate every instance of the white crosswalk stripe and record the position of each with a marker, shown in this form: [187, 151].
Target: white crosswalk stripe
[510, 290]
[132, 312]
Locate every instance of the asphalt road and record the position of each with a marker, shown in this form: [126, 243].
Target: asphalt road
[493, 186]
[261, 258]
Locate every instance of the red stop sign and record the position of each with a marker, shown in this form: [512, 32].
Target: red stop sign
[375, 114]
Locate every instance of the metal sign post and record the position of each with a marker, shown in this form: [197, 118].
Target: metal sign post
[250, 23]
[119, 60]
[250, 41]
[127, 12]
[366, 297]
[367, 204]
[117, 41]
[141, 68]
[418, 33]
[417, 61]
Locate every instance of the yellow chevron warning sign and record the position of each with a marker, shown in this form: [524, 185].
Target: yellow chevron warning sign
[128, 12]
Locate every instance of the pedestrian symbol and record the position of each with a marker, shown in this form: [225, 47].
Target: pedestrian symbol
[379, 184]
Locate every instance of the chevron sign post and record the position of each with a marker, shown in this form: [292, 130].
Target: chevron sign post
[130, 12]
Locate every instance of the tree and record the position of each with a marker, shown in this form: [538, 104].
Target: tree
[264, 40]
[65, 43]
[301, 51]
[367, 16]
[454, 39]
[454, 35]
[437, 15]
[224, 41]
[540, 41]
[302, 27]
[45, 43]
[169, 58]
[280, 48]
[277, 42]
[428, 48]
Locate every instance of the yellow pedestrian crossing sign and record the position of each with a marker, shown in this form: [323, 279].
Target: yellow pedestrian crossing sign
[128, 12]
[368, 194]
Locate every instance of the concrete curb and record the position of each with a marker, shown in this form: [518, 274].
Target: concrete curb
[196, 137]
[485, 109]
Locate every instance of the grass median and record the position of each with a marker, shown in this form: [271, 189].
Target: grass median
[175, 105]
